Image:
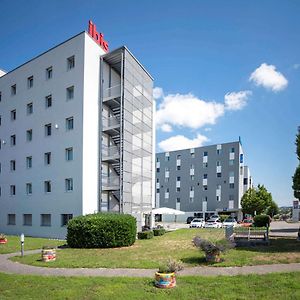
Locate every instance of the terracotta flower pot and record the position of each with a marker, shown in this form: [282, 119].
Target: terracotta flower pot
[3, 241]
[165, 280]
[48, 255]
[213, 257]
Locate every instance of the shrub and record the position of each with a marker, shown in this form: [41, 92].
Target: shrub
[170, 266]
[103, 230]
[261, 221]
[145, 235]
[159, 231]
[223, 217]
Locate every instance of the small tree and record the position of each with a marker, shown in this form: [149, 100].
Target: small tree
[272, 210]
[296, 177]
[263, 197]
[248, 202]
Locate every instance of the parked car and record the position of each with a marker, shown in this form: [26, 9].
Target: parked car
[213, 223]
[189, 220]
[230, 222]
[197, 223]
[214, 217]
[247, 223]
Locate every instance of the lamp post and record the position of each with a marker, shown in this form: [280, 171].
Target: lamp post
[22, 238]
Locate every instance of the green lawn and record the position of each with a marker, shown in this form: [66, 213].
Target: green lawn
[14, 245]
[271, 286]
[176, 244]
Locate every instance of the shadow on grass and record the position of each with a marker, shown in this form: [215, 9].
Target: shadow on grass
[277, 245]
[196, 260]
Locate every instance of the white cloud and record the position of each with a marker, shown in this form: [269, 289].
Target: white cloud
[207, 129]
[236, 100]
[269, 78]
[187, 111]
[181, 142]
[158, 93]
[166, 128]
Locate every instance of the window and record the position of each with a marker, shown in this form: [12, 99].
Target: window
[191, 199]
[45, 220]
[11, 219]
[178, 189]
[157, 190]
[177, 200]
[30, 82]
[47, 158]
[192, 188]
[13, 89]
[48, 129]
[157, 180]
[13, 140]
[29, 108]
[12, 190]
[70, 62]
[167, 156]
[49, 73]
[192, 177]
[218, 163]
[231, 174]
[65, 218]
[70, 123]
[70, 92]
[0, 96]
[245, 181]
[231, 162]
[205, 153]
[157, 170]
[204, 187]
[27, 219]
[193, 155]
[219, 175]
[231, 185]
[28, 188]
[232, 150]
[205, 165]
[13, 165]
[204, 198]
[167, 179]
[178, 178]
[48, 101]
[13, 115]
[69, 184]
[218, 198]
[29, 135]
[219, 151]
[231, 197]
[47, 186]
[29, 162]
[204, 176]
[178, 168]
[69, 154]
[178, 156]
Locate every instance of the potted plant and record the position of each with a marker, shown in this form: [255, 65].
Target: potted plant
[3, 239]
[212, 250]
[166, 276]
[48, 253]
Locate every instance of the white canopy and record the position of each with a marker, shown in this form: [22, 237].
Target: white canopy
[167, 211]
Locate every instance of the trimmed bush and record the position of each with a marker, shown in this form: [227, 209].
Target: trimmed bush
[223, 217]
[103, 230]
[261, 221]
[145, 235]
[159, 231]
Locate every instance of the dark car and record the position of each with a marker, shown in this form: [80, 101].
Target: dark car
[189, 220]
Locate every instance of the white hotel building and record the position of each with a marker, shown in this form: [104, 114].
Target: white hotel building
[76, 138]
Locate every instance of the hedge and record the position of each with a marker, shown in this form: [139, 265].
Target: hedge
[159, 231]
[261, 221]
[103, 230]
[145, 235]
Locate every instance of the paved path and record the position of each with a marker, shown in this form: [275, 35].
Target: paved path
[8, 266]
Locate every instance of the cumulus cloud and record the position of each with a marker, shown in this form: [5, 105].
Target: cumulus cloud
[236, 100]
[181, 142]
[157, 93]
[187, 111]
[166, 128]
[269, 78]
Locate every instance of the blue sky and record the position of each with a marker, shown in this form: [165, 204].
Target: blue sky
[198, 52]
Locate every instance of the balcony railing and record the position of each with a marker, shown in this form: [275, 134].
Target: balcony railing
[110, 122]
[110, 182]
[112, 92]
[110, 151]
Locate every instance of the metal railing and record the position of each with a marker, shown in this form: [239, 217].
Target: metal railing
[112, 92]
[110, 121]
[110, 151]
[110, 181]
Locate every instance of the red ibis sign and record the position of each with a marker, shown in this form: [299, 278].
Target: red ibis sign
[98, 37]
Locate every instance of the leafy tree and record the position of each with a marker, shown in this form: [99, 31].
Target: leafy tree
[263, 197]
[272, 209]
[248, 202]
[296, 177]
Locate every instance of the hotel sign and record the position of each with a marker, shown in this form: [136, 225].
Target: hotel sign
[98, 37]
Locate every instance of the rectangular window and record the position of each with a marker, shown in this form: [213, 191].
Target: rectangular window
[231, 197]
[204, 187]
[178, 156]
[218, 163]
[70, 92]
[49, 73]
[48, 101]
[70, 62]
[178, 189]
[204, 198]
[13, 140]
[12, 190]
[11, 219]
[219, 175]
[204, 176]
[231, 174]
[48, 130]
[178, 168]
[192, 177]
[157, 190]
[205, 153]
[245, 181]
[205, 165]
[45, 220]
[30, 82]
[65, 218]
[219, 151]
[177, 200]
[167, 179]
[192, 188]
[231, 162]
[0, 96]
[29, 108]
[29, 135]
[28, 188]
[157, 170]
[27, 219]
[231, 185]
[191, 199]
[232, 150]
[13, 115]
[13, 89]
[13, 165]
[29, 162]
[70, 123]
[47, 186]
[69, 184]
[178, 178]
[69, 154]
[218, 198]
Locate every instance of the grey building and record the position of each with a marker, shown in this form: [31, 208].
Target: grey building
[203, 181]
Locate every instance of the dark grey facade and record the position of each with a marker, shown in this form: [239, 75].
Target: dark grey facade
[206, 180]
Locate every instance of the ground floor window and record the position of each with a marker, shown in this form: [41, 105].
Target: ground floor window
[65, 219]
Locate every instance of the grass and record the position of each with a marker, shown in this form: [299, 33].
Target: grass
[14, 245]
[270, 286]
[178, 245]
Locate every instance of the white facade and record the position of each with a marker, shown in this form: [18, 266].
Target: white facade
[70, 75]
